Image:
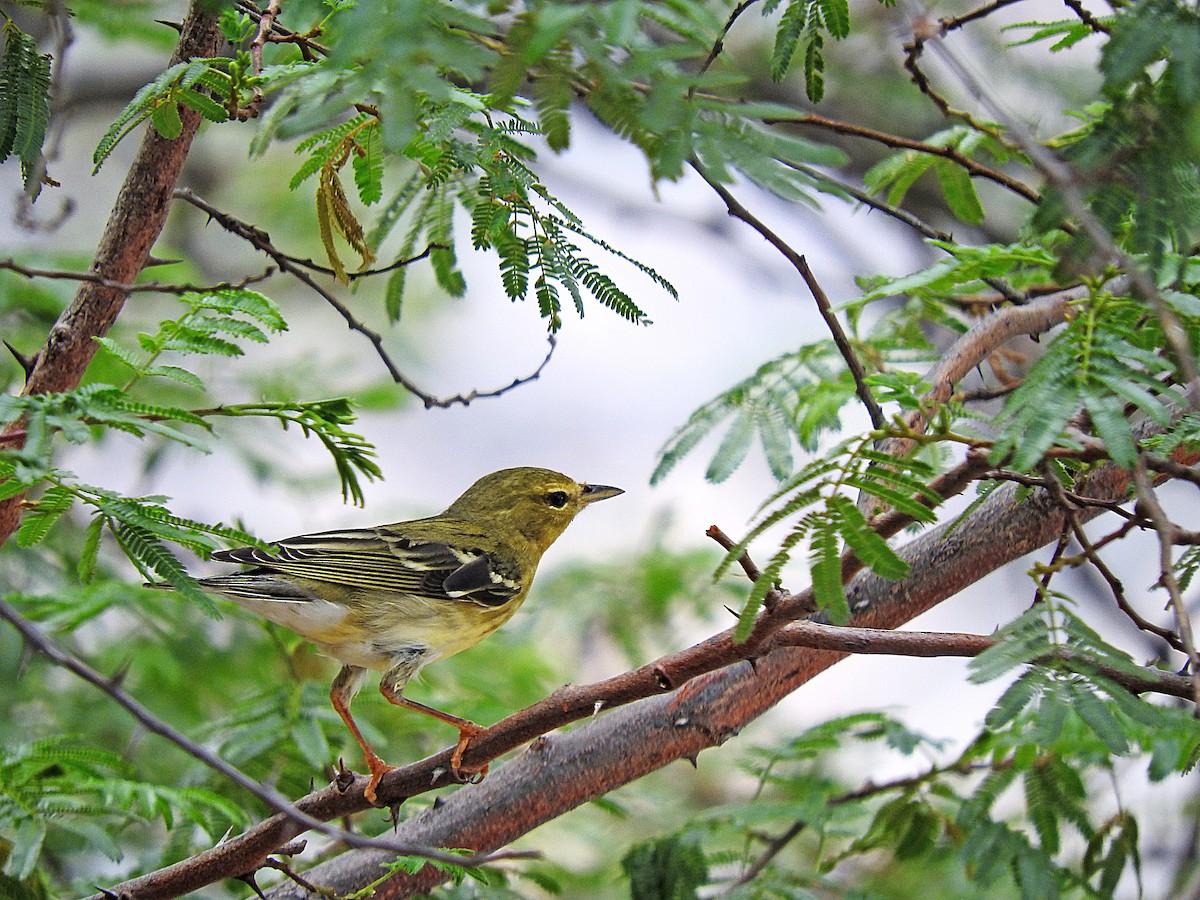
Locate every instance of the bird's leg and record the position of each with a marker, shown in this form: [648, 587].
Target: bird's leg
[392, 687]
[345, 686]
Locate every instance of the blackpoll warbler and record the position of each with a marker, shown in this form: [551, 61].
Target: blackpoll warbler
[397, 597]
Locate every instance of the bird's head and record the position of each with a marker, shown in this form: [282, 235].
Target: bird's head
[537, 503]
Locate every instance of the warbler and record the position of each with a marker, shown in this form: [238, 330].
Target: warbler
[397, 597]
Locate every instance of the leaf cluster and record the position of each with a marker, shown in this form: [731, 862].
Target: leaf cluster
[897, 173]
[57, 788]
[827, 517]
[801, 33]
[1136, 150]
[792, 399]
[24, 101]
[463, 158]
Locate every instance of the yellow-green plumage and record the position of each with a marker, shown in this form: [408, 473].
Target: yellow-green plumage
[397, 597]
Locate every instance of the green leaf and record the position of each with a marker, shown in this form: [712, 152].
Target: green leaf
[959, 192]
[89, 549]
[836, 14]
[1108, 417]
[814, 69]
[1096, 714]
[1016, 697]
[38, 521]
[733, 448]
[873, 550]
[203, 104]
[826, 569]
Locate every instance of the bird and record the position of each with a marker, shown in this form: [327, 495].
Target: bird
[394, 598]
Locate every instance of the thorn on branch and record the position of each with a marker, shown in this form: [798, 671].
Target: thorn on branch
[250, 880]
[25, 362]
[343, 779]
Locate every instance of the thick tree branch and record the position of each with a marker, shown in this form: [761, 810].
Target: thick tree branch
[136, 221]
[560, 773]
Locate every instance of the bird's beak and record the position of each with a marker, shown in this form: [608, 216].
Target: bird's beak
[594, 492]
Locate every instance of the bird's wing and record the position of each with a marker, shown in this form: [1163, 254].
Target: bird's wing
[376, 559]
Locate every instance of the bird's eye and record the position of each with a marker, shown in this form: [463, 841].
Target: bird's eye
[557, 499]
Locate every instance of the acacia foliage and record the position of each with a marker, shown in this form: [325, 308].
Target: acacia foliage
[437, 111]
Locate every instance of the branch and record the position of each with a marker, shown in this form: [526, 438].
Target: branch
[674, 707]
[974, 167]
[261, 241]
[565, 771]
[144, 287]
[1147, 501]
[984, 338]
[738, 211]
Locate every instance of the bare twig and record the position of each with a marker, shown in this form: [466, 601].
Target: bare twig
[974, 167]
[753, 572]
[719, 44]
[739, 211]
[1069, 502]
[277, 34]
[261, 241]
[148, 287]
[1077, 7]
[1148, 504]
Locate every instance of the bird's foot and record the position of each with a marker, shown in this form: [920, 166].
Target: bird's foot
[378, 769]
[465, 736]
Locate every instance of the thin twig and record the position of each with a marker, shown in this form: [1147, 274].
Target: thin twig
[739, 211]
[148, 287]
[261, 241]
[280, 35]
[974, 167]
[1069, 502]
[753, 572]
[1165, 528]
[1086, 17]
[951, 23]
[719, 44]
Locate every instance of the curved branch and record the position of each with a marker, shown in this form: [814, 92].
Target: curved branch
[560, 773]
